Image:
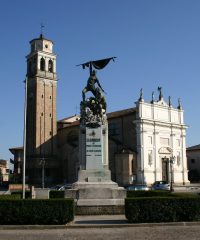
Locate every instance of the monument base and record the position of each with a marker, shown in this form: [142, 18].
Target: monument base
[96, 193]
[100, 210]
[98, 175]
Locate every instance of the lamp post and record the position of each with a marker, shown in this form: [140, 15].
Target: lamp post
[24, 142]
[171, 162]
[43, 165]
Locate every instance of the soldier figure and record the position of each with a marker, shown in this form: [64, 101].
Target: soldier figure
[92, 80]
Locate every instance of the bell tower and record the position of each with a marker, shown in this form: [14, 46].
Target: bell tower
[41, 123]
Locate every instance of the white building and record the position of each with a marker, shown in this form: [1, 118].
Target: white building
[161, 136]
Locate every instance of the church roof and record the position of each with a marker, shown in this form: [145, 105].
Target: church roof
[74, 120]
[40, 38]
[192, 148]
[69, 119]
[121, 113]
[12, 150]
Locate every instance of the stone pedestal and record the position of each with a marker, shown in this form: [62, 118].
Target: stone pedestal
[94, 192]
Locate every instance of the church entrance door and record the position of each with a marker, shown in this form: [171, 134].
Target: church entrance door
[165, 169]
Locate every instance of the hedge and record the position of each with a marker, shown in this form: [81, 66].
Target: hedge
[165, 209]
[56, 194]
[20, 193]
[9, 196]
[153, 193]
[53, 211]
[159, 193]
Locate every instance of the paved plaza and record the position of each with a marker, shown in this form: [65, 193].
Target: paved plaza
[111, 227]
[113, 233]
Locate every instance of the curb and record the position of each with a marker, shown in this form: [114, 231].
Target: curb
[77, 226]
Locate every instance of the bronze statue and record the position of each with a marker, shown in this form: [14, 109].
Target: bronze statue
[93, 108]
[92, 80]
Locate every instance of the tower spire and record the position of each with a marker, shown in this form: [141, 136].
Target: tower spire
[41, 30]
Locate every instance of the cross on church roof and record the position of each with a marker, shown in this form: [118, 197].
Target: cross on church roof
[41, 28]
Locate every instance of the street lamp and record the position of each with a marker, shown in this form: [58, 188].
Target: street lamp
[171, 162]
[43, 165]
[24, 142]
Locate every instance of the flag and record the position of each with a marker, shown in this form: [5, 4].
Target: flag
[98, 64]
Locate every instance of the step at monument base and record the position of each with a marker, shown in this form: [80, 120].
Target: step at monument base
[97, 198]
[100, 210]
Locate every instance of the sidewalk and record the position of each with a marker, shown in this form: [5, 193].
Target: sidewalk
[97, 221]
[119, 221]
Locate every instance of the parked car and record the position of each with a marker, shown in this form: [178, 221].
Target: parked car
[160, 185]
[140, 187]
[61, 187]
[64, 187]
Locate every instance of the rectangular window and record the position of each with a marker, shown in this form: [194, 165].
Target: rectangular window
[178, 158]
[164, 141]
[178, 142]
[150, 140]
[150, 158]
[113, 129]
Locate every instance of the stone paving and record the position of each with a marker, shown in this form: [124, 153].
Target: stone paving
[101, 233]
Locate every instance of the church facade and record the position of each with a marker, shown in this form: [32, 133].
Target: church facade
[161, 143]
[146, 142]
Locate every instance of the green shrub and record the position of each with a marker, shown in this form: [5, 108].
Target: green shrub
[185, 195]
[53, 211]
[153, 193]
[159, 193]
[19, 193]
[165, 209]
[10, 196]
[56, 194]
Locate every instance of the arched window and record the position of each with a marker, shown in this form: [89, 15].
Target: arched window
[50, 67]
[42, 64]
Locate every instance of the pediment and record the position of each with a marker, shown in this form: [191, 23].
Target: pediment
[165, 150]
[162, 103]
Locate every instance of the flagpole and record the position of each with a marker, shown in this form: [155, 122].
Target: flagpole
[24, 162]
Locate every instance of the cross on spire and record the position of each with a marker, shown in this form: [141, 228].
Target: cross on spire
[41, 28]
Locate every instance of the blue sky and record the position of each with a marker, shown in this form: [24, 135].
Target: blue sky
[156, 42]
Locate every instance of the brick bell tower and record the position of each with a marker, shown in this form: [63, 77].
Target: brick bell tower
[42, 166]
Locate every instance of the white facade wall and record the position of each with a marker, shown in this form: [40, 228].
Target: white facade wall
[160, 137]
